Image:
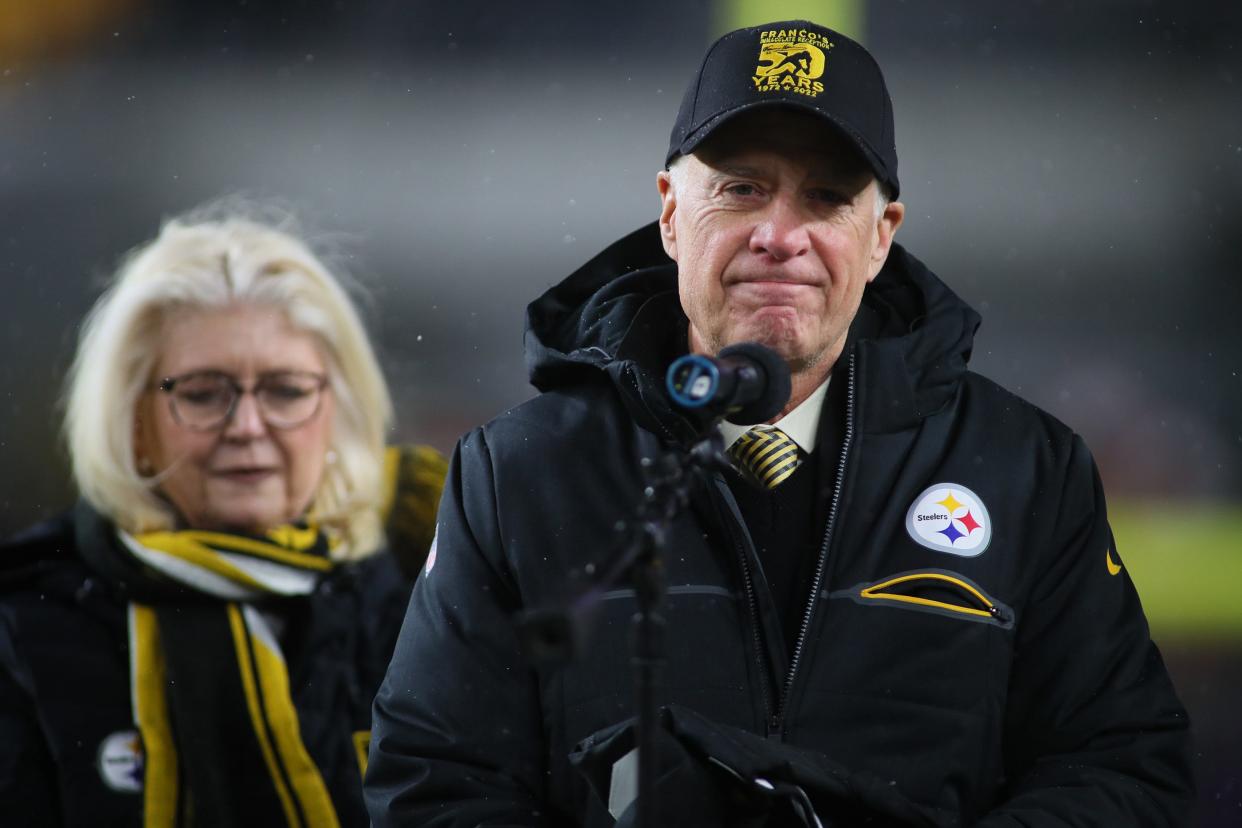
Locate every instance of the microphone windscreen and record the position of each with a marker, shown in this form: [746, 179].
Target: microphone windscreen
[775, 388]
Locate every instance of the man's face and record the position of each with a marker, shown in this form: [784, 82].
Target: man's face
[774, 228]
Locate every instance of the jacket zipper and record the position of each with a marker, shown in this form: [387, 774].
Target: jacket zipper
[777, 727]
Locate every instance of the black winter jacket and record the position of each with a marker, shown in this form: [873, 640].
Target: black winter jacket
[1006, 683]
[65, 689]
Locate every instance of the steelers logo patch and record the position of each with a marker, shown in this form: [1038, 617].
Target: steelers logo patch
[950, 518]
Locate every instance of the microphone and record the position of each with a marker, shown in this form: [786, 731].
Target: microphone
[746, 383]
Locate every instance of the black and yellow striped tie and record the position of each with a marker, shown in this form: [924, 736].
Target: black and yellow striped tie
[767, 454]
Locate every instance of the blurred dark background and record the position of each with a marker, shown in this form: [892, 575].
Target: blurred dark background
[1071, 168]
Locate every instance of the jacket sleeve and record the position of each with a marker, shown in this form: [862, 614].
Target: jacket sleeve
[27, 777]
[456, 731]
[1094, 733]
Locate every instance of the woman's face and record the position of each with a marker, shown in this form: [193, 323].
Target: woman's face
[244, 474]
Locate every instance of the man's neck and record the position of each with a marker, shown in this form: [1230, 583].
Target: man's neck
[803, 382]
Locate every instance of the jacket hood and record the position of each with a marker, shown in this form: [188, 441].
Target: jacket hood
[618, 316]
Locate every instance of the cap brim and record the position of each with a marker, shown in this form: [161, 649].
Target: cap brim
[873, 159]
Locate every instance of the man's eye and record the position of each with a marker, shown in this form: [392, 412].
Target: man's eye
[741, 189]
[825, 196]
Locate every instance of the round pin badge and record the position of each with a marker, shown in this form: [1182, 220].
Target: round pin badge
[121, 761]
[950, 518]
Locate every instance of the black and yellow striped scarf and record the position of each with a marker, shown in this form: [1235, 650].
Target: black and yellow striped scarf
[209, 685]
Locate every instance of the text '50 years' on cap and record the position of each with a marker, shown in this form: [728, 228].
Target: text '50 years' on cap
[795, 64]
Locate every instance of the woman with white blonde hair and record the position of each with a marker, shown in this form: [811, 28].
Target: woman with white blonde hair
[199, 640]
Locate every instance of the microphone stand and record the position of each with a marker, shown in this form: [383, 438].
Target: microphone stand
[555, 635]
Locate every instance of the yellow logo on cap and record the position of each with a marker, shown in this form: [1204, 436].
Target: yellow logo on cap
[790, 60]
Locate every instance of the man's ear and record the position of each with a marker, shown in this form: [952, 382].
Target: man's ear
[668, 206]
[886, 227]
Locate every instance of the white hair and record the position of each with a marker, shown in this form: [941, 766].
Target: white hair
[882, 199]
[213, 258]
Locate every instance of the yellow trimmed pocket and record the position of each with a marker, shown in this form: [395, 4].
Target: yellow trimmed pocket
[935, 591]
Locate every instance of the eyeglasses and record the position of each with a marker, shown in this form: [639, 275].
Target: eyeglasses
[206, 400]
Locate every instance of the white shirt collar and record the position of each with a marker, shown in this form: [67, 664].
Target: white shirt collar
[801, 425]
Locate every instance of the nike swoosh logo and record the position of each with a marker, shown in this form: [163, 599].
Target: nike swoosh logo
[1113, 568]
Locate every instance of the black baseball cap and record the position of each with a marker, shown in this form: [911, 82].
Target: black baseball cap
[795, 64]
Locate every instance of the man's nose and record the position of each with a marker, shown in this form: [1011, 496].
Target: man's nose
[781, 231]
[247, 421]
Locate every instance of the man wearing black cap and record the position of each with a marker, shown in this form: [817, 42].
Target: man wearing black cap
[900, 606]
